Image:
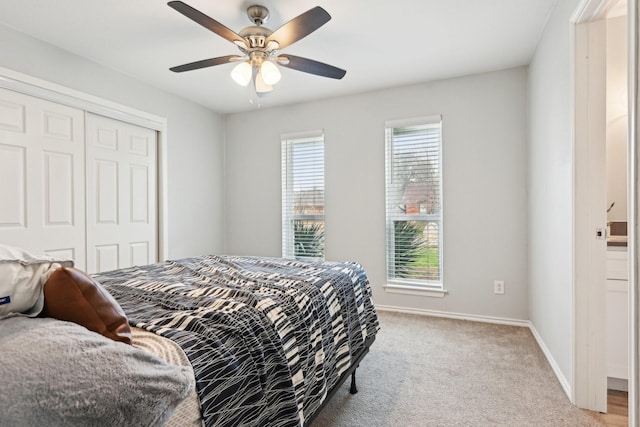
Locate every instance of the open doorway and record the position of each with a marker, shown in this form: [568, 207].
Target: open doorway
[602, 280]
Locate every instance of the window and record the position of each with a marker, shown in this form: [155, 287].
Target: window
[303, 196]
[414, 202]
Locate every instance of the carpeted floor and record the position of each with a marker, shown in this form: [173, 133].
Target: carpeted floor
[428, 371]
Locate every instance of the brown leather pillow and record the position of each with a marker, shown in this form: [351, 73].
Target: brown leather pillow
[71, 295]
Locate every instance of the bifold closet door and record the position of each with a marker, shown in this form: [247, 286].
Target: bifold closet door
[121, 194]
[42, 176]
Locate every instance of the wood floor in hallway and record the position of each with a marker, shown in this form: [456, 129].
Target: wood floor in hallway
[617, 409]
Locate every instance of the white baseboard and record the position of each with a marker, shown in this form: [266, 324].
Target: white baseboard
[459, 316]
[489, 319]
[566, 386]
[617, 384]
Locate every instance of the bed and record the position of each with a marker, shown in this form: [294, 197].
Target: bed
[268, 340]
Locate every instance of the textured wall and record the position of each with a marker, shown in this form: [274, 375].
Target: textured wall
[485, 216]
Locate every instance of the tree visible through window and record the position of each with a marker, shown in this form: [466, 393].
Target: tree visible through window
[414, 206]
[303, 197]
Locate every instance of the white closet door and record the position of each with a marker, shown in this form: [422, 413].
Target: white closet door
[42, 176]
[121, 195]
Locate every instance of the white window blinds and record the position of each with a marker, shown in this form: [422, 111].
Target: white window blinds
[414, 201]
[303, 196]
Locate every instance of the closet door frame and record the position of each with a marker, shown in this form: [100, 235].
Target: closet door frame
[39, 88]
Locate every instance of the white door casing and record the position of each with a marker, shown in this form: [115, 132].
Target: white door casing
[42, 176]
[121, 194]
[633, 88]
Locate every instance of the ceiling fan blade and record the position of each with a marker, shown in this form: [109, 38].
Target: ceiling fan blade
[299, 27]
[311, 66]
[205, 63]
[207, 22]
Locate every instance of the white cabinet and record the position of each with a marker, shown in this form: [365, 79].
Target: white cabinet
[617, 313]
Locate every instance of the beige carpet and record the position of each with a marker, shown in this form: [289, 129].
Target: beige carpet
[427, 371]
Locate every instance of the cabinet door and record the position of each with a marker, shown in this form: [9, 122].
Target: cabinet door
[42, 176]
[617, 265]
[617, 329]
[121, 195]
[617, 314]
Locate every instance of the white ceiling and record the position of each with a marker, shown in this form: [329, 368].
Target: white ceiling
[380, 43]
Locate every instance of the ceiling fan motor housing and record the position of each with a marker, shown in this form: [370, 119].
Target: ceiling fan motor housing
[255, 36]
[258, 14]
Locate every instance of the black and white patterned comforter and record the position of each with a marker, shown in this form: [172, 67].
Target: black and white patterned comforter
[267, 338]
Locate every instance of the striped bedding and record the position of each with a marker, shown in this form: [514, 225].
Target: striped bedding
[267, 338]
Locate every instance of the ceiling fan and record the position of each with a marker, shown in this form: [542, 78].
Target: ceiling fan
[259, 46]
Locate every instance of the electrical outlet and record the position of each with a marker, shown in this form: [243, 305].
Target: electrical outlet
[498, 287]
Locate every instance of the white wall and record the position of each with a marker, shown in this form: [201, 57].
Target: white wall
[617, 118]
[485, 211]
[195, 136]
[550, 188]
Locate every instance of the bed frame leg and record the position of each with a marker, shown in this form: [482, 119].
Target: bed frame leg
[353, 389]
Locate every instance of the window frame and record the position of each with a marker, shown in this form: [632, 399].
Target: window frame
[405, 285]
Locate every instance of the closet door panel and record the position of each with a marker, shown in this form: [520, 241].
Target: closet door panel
[122, 202]
[107, 257]
[42, 176]
[139, 194]
[12, 189]
[58, 189]
[106, 191]
[139, 252]
[12, 114]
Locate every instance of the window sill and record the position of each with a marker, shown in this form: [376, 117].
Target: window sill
[395, 288]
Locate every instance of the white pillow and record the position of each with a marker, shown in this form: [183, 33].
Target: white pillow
[22, 277]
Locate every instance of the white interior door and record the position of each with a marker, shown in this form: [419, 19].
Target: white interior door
[590, 218]
[121, 194]
[42, 176]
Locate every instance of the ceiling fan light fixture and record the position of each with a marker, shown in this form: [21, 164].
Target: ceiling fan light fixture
[270, 73]
[261, 86]
[242, 73]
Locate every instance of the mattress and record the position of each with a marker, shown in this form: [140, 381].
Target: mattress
[187, 413]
